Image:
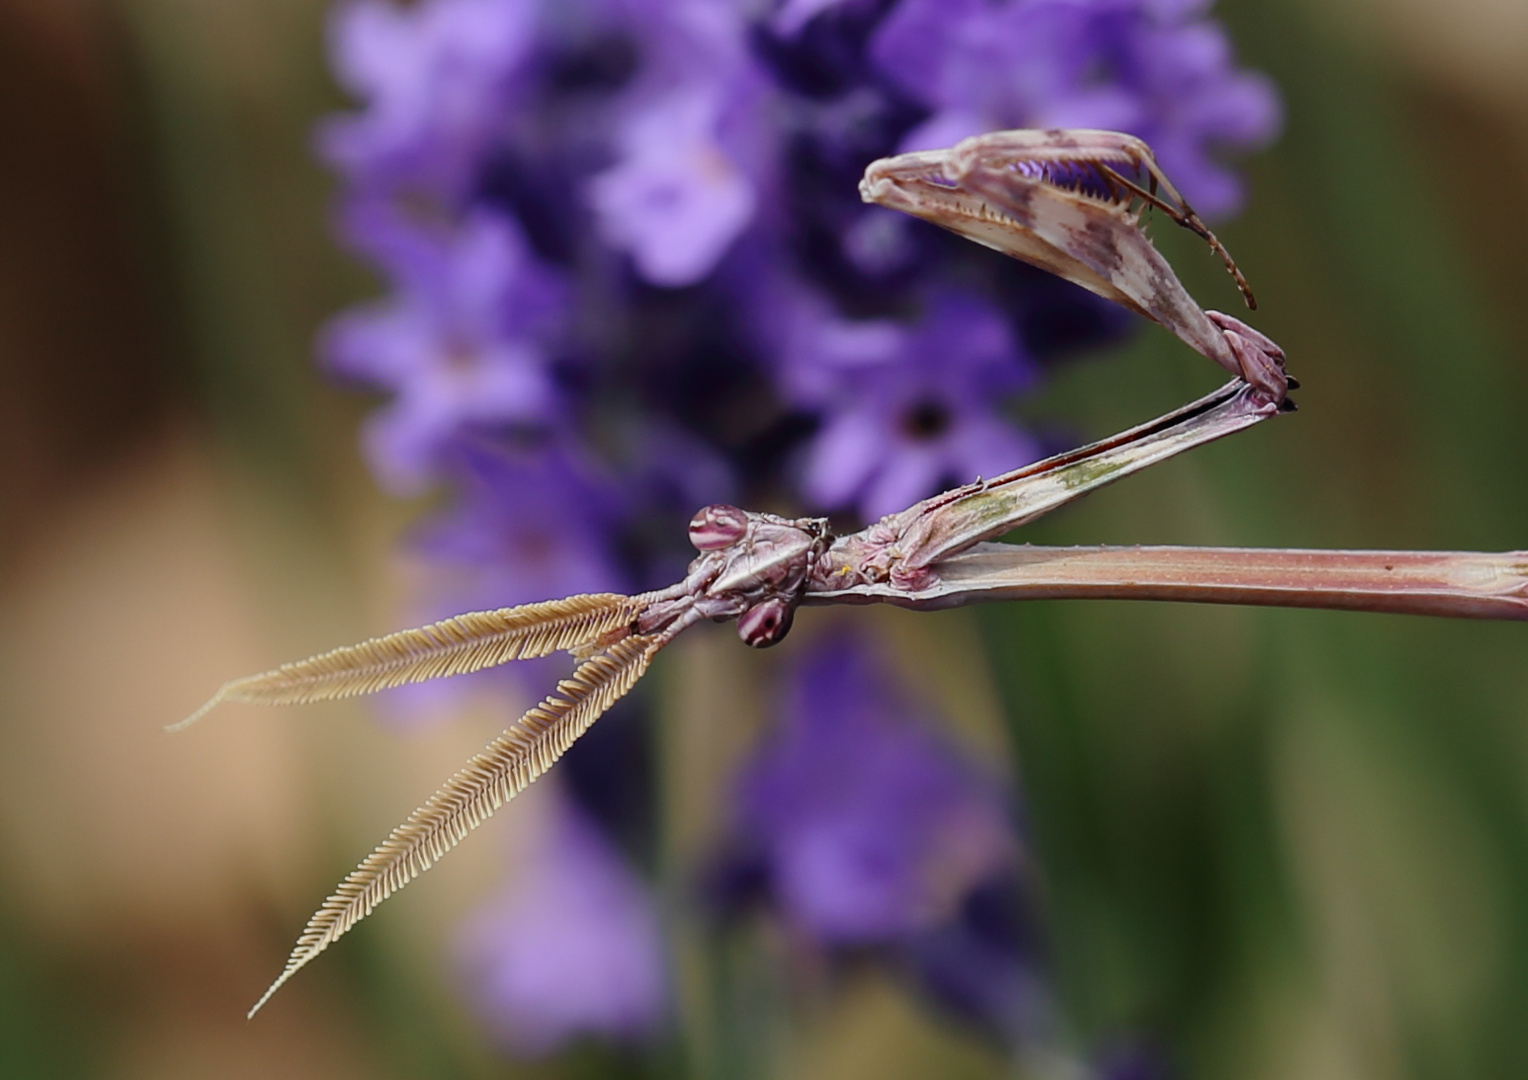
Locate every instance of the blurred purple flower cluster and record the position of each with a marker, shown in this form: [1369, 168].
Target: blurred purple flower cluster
[573, 946]
[866, 826]
[628, 273]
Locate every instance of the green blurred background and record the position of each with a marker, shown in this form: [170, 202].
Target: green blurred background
[1293, 844]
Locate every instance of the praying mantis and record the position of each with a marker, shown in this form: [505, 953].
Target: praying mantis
[1068, 201]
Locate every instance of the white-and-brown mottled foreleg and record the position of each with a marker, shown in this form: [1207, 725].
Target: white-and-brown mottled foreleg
[1108, 240]
[1024, 193]
[1123, 164]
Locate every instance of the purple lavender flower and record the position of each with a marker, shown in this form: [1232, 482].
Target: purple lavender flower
[983, 65]
[462, 345]
[1200, 105]
[571, 947]
[692, 145]
[528, 525]
[677, 200]
[907, 408]
[1150, 68]
[433, 77]
[870, 826]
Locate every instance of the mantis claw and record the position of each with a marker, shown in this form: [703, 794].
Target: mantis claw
[1259, 360]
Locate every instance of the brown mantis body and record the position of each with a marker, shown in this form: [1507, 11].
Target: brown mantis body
[1023, 193]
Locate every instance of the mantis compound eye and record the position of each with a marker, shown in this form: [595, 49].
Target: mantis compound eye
[717, 526]
[765, 623]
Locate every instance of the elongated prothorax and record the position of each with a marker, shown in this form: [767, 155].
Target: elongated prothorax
[1458, 584]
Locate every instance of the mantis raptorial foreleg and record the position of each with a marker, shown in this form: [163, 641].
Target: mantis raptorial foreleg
[1070, 202]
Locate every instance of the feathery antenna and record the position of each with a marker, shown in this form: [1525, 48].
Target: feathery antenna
[455, 646]
[506, 767]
